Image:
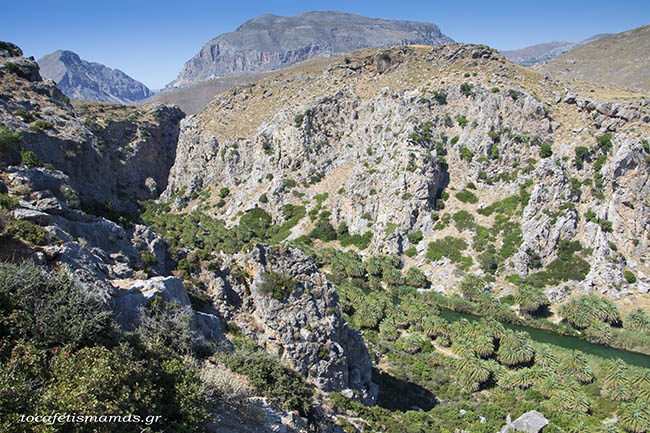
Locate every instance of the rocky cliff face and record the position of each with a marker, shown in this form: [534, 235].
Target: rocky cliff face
[277, 296]
[90, 81]
[270, 42]
[112, 155]
[435, 142]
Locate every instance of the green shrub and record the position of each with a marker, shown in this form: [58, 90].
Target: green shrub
[604, 142]
[467, 196]
[29, 159]
[465, 89]
[28, 232]
[411, 252]
[271, 378]
[167, 328]
[630, 277]
[297, 119]
[466, 154]
[463, 220]
[224, 192]
[278, 285]
[98, 381]
[545, 150]
[41, 125]
[440, 96]
[323, 229]
[49, 308]
[462, 121]
[7, 202]
[415, 237]
[24, 114]
[8, 139]
[290, 183]
[449, 247]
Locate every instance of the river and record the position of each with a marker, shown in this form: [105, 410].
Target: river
[564, 341]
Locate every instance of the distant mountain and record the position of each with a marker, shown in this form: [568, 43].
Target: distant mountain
[270, 42]
[623, 59]
[543, 52]
[90, 81]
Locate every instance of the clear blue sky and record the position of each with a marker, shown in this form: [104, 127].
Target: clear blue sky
[150, 40]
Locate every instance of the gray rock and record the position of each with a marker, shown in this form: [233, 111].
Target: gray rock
[127, 303]
[530, 422]
[306, 328]
[271, 42]
[90, 81]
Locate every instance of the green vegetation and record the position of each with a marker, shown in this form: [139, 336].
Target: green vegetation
[567, 266]
[545, 150]
[61, 352]
[29, 159]
[28, 232]
[41, 125]
[467, 196]
[466, 154]
[8, 139]
[277, 285]
[465, 89]
[449, 247]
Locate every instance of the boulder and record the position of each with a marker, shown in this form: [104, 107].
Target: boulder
[127, 303]
[530, 422]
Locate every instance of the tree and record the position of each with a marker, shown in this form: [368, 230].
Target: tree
[635, 416]
[531, 299]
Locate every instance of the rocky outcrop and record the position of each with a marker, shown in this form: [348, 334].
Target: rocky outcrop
[90, 81]
[277, 296]
[270, 42]
[530, 422]
[110, 160]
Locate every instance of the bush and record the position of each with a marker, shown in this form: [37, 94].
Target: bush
[630, 277]
[28, 232]
[41, 125]
[466, 154]
[270, 378]
[224, 192]
[98, 381]
[8, 139]
[29, 159]
[297, 119]
[278, 285]
[415, 237]
[604, 142]
[166, 328]
[467, 196]
[440, 96]
[38, 305]
[449, 247]
[465, 89]
[7, 202]
[545, 150]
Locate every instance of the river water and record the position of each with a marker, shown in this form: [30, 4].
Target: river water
[564, 341]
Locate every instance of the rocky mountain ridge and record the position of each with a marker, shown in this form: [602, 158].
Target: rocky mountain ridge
[620, 59]
[90, 81]
[543, 52]
[269, 42]
[387, 163]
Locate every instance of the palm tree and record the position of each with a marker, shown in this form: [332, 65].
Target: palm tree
[515, 348]
[640, 381]
[550, 385]
[531, 299]
[388, 330]
[544, 356]
[599, 333]
[637, 320]
[575, 364]
[616, 372]
[635, 416]
[616, 392]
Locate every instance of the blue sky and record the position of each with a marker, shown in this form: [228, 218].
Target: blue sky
[150, 40]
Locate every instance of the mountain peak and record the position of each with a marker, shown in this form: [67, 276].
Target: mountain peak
[80, 79]
[268, 42]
